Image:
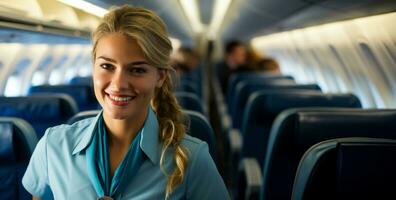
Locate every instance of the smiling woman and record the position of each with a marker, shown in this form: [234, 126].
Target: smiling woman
[136, 148]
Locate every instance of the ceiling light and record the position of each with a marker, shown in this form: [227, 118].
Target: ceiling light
[190, 8]
[219, 12]
[86, 6]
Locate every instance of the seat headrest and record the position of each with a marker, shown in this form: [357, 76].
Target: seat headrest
[277, 101]
[347, 168]
[82, 80]
[189, 101]
[17, 140]
[7, 154]
[366, 168]
[83, 115]
[199, 127]
[80, 93]
[38, 108]
[342, 122]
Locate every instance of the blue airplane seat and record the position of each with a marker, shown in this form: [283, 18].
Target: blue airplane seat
[197, 125]
[235, 78]
[263, 106]
[347, 168]
[245, 88]
[82, 94]
[79, 80]
[189, 101]
[296, 130]
[188, 86]
[41, 111]
[17, 142]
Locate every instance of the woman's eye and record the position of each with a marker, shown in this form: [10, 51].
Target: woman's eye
[138, 70]
[106, 66]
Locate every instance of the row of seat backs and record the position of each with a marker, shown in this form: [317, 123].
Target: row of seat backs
[235, 78]
[296, 130]
[82, 94]
[17, 142]
[197, 126]
[190, 101]
[41, 111]
[263, 106]
[347, 168]
[244, 89]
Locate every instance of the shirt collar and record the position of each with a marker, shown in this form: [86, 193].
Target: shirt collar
[148, 142]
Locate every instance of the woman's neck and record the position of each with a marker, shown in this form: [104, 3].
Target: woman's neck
[122, 132]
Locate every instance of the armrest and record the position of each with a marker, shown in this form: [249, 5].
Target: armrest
[250, 171]
[235, 139]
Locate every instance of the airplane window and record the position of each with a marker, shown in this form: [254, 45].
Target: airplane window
[391, 53]
[16, 78]
[39, 74]
[374, 63]
[56, 73]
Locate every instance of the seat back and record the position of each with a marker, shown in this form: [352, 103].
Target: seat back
[189, 101]
[82, 94]
[78, 80]
[296, 130]
[235, 78]
[264, 106]
[264, 80]
[198, 126]
[41, 111]
[17, 142]
[347, 168]
[246, 88]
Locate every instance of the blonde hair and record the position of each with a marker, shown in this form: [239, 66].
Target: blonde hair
[150, 33]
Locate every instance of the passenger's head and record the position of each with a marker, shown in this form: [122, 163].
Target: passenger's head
[185, 59]
[269, 65]
[131, 52]
[235, 53]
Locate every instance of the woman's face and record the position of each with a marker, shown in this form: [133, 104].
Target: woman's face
[124, 82]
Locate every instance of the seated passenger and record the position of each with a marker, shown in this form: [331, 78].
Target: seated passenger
[268, 65]
[186, 60]
[137, 147]
[235, 56]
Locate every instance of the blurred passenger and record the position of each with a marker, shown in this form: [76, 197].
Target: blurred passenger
[235, 56]
[185, 60]
[268, 65]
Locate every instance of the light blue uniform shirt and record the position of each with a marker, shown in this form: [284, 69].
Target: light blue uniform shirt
[58, 165]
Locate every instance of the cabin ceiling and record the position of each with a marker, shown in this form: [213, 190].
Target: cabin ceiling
[248, 18]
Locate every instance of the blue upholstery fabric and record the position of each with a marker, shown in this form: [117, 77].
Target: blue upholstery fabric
[189, 86]
[17, 141]
[295, 130]
[42, 111]
[264, 106]
[241, 76]
[189, 101]
[82, 81]
[82, 94]
[347, 168]
[197, 125]
[246, 88]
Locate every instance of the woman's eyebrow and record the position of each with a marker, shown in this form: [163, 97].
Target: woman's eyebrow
[138, 63]
[107, 59]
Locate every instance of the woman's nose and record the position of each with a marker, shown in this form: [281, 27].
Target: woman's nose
[120, 80]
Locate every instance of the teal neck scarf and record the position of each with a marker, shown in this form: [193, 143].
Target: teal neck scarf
[98, 163]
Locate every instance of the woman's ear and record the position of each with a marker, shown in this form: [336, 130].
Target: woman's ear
[161, 77]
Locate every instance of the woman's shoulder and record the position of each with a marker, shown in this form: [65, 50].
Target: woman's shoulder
[70, 133]
[192, 143]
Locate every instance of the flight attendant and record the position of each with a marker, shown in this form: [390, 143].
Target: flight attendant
[137, 147]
